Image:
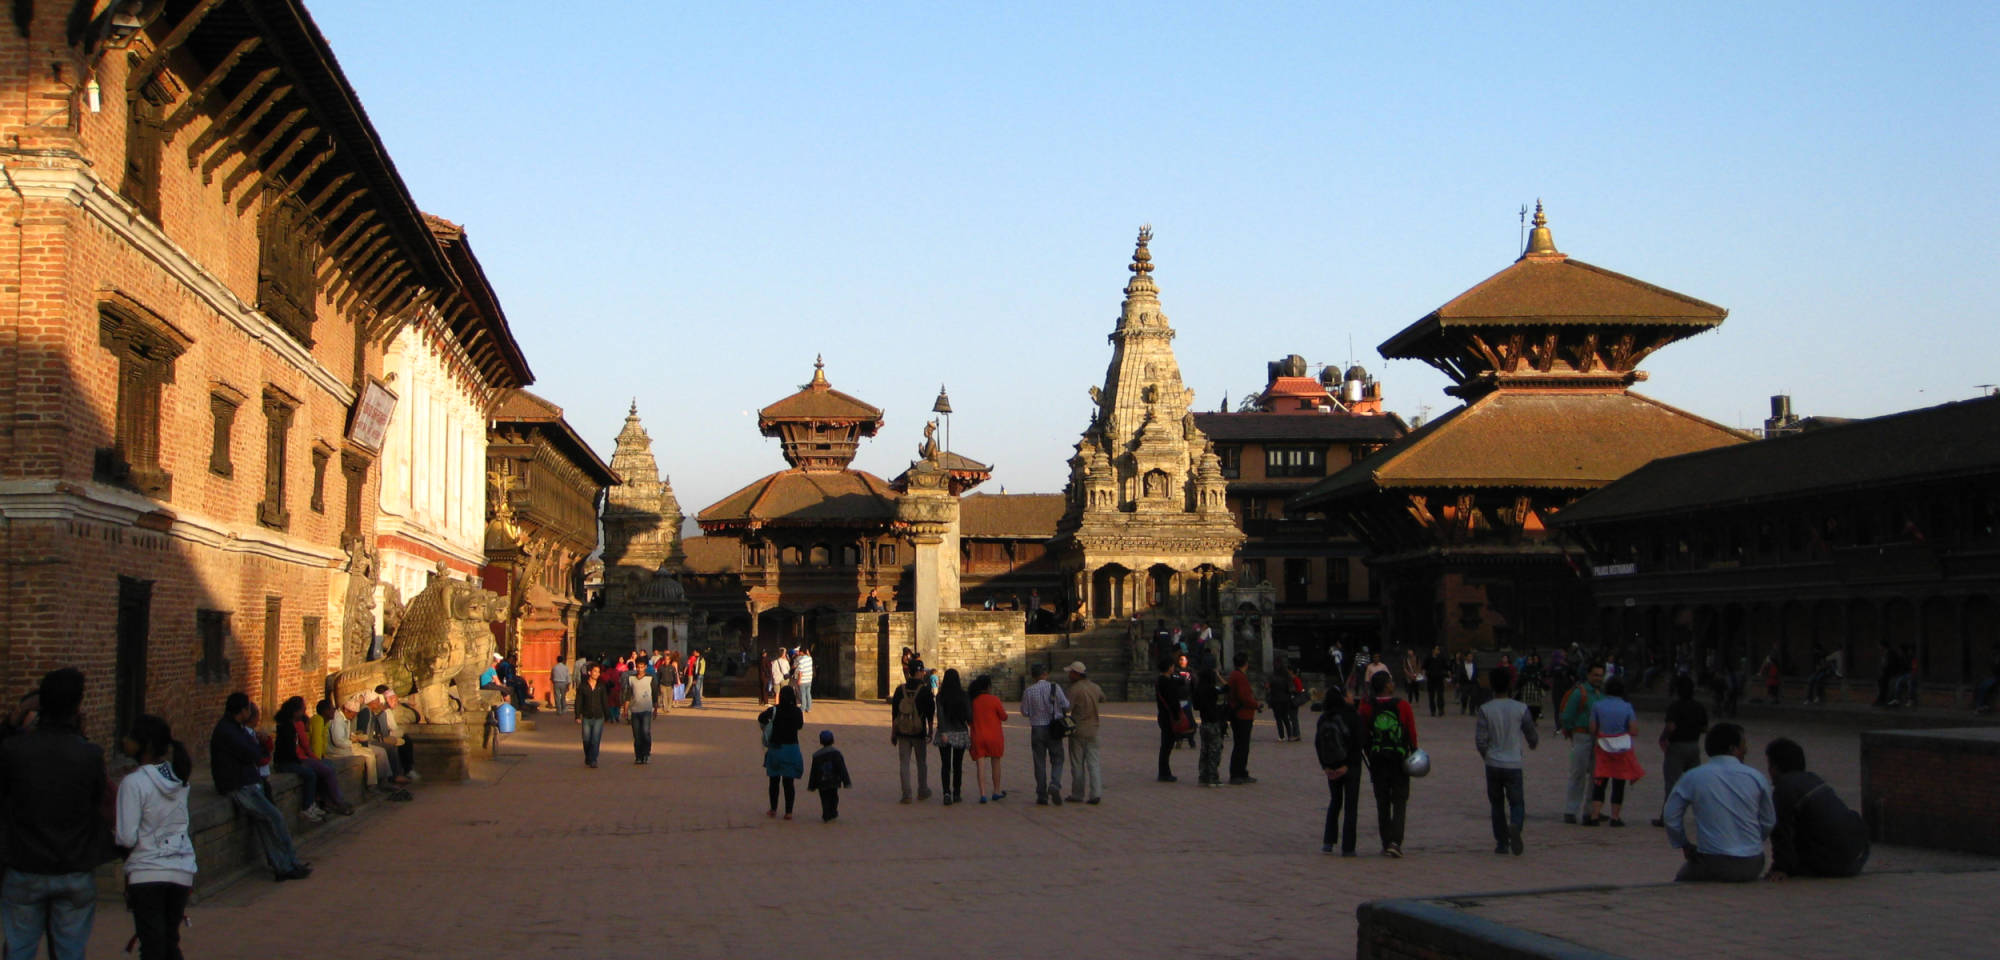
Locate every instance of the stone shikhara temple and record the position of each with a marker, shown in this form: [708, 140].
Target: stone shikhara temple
[1146, 523]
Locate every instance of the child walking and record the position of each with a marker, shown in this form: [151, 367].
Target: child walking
[829, 774]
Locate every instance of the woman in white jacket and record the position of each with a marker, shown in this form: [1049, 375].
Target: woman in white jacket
[152, 831]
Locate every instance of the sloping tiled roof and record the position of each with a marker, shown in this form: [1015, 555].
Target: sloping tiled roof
[819, 402]
[521, 406]
[710, 555]
[1529, 438]
[802, 497]
[1952, 440]
[1557, 290]
[1300, 426]
[1029, 516]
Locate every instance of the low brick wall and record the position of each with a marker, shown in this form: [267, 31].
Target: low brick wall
[1933, 788]
[225, 844]
[1433, 930]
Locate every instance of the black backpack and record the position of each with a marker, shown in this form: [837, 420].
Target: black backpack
[1333, 740]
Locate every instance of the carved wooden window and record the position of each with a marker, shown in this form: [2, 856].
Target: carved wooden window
[354, 472]
[211, 629]
[287, 286]
[753, 555]
[145, 348]
[1231, 457]
[321, 456]
[278, 412]
[1336, 578]
[145, 135]
[313, 659]
[885, 554]
[223, 403]
[850, 556]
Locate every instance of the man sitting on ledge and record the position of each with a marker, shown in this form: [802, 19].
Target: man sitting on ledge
[1733, 813]
[234, 757]
[1817, 835]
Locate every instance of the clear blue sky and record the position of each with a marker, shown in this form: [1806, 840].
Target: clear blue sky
[685, 204]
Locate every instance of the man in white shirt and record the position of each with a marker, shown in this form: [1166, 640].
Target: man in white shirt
[1041, 703]
[341, 742]
[804, 673]
[781, 671]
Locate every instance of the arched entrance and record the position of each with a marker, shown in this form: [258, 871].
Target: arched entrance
[1107, 591]
[1160, 588]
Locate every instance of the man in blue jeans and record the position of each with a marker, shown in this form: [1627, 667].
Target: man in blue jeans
[233, 759]
[1500, 727]
[51, 784]
[590, 713]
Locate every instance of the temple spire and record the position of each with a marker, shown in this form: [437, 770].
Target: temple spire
[819, 370]
[1540, 243]
[1142, 266]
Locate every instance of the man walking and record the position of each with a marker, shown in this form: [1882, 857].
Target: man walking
[1680, 737]
[1574, 717]
[642, 692]
[559, 680]
[697, 671]
[233, 758]
[51, 786]
[911, 711]
[1389, 728]
[1733, 813]
[803, 674]
[1437, 669]
[1041, 703]
[1243, 710]
[1499, 728]
[591, 709]
[1086, 773]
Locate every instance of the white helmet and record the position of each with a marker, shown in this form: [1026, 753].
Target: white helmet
[1417, 763]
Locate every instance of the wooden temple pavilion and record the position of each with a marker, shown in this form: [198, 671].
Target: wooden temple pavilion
[1455, 515]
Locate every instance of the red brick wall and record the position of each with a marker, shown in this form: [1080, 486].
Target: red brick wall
[1937, 789]
[58, 392]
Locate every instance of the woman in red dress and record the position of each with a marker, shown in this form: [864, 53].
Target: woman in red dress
[989, 740]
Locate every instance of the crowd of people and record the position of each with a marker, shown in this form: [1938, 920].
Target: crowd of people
[63, 817]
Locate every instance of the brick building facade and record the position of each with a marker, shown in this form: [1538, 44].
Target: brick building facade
[207, 249]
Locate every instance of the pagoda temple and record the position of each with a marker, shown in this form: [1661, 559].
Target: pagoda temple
[1146, 527]
[1544, 354]
[819, 537]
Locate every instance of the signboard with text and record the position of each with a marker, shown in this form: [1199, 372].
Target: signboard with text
[370, 422]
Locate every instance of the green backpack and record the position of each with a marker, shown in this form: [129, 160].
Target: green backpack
[1388, 742]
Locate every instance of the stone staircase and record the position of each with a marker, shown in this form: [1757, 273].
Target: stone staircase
[1102, 650]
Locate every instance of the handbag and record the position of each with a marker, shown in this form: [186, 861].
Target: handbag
[765, 723]
[1060, 725]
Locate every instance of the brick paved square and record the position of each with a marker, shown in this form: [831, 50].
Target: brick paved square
[546, 858]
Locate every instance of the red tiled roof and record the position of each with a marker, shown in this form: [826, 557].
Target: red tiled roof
[820, 402]
[1952, 440]
[799, 497]
[1557, 291]
[521, 406]
[710, 555]
[1026, 516]
[1529, 438]
[1300, 426]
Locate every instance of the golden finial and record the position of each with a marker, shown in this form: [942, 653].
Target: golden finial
[819, 369]
[634, 411]
[1540, 243]
[1142, 259]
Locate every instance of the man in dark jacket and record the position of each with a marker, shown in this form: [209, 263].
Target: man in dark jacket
[910, 728]
[233, 759]
[1339, 752]
[1169, 693]
[52, 788]
[1437, 669]
[592, 706]
[1817, 835]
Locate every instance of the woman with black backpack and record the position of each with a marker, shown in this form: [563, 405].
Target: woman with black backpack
[1337, 743]
[782, 761]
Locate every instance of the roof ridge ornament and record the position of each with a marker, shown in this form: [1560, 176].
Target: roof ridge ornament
[819, 371]
[1142, 258]
[1541, 245]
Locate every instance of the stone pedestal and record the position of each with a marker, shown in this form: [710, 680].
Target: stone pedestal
[445, 751]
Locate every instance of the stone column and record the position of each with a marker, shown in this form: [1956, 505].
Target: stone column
[1229, 640]
[930, 514]
[1264, 632]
